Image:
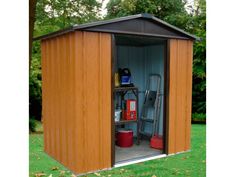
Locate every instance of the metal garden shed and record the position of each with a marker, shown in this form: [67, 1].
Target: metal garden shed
[78, 92]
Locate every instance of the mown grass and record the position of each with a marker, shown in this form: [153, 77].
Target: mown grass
[189, 164]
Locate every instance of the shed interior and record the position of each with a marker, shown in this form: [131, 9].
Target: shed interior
[143, 56]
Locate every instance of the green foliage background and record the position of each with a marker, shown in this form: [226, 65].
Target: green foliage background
[52, 15]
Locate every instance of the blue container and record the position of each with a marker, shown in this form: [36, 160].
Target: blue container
[125, 80]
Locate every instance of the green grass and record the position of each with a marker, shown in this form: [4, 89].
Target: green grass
[189, 164]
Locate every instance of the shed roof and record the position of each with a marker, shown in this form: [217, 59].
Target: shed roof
[140, 24]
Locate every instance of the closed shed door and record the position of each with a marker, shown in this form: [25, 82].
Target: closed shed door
[180, 95]
[76, 90]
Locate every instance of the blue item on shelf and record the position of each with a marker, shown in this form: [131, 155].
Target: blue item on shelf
[125, 80]
[125, 76]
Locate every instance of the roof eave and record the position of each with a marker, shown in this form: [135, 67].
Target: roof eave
[175, 28]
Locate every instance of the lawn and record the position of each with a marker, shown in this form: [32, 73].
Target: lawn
[189, 164]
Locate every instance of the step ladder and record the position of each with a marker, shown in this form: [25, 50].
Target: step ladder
[152, 103]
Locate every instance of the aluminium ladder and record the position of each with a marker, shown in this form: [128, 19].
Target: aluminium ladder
[152, 101]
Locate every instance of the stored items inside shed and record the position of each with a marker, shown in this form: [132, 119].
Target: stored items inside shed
[138, 64]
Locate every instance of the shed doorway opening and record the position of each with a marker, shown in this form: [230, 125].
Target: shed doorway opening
[138, 100]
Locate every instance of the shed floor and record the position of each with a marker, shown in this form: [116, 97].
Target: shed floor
[135, 152]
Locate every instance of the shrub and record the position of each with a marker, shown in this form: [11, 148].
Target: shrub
[35, 84]
[199, 117]
[32, 124]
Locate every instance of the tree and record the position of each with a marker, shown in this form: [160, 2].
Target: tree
[160, 8]
[32, 7]
[199, 61]
[35, 84]
[52, 15]
[191, 18]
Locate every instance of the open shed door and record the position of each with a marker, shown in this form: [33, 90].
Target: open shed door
[180, 95]
[76, 74]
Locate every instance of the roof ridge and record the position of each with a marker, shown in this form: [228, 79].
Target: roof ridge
[146, 16]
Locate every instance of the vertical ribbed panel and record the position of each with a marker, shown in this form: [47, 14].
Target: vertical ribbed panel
[189, 73]
[180, 94]
[76, 99]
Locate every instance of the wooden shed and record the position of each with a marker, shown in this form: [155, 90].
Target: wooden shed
[79, 96]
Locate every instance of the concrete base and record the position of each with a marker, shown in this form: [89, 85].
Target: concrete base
[135, 152]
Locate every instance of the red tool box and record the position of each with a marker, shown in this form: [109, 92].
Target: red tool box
[130, 111]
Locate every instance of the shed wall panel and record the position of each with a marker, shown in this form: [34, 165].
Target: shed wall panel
[189, 73]
[76, 99]
[79, 103]
[180, 93]
[91, 63]
[105, 101]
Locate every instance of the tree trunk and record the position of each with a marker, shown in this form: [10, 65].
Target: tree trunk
[32, 9]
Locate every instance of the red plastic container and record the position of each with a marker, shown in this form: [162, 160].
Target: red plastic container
[130, 112]
[124, 138]
[157, 142]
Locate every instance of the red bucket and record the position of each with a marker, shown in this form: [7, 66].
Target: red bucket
[156, 142]
[124, 138]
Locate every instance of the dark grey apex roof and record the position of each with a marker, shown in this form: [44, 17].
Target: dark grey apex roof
[140, 24]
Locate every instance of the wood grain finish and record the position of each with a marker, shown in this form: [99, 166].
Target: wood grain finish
[180, 94]
[76, 100]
